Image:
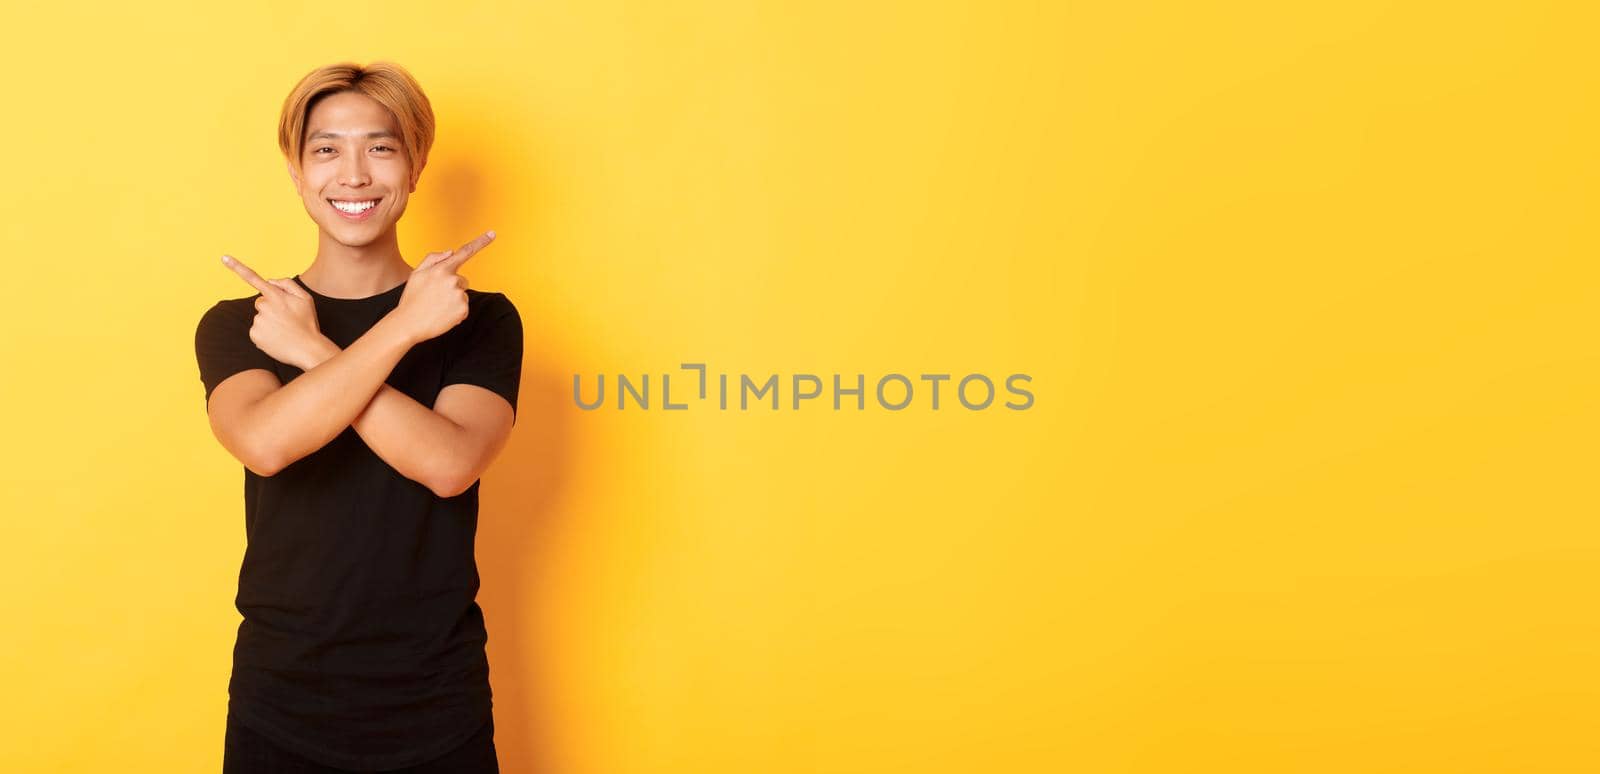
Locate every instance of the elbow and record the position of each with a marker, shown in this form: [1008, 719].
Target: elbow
[453, 487]
[452, 482]
[264, 462]
[264, 469]
[448, 491]
[249, 449]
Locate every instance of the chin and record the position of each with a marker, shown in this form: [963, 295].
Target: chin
[354, 235]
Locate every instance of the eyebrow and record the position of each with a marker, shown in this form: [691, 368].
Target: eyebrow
[337, 135]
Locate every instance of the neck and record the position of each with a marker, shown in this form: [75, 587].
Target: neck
[346, 271]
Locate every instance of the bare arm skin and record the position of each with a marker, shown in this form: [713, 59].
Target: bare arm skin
[445, 448]
[268, 425]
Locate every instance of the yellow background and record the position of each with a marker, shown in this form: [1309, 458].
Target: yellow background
[1307, 293]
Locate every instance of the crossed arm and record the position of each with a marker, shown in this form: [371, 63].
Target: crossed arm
[269, 425]
[447, 447]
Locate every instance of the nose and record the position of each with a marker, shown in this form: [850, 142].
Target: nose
[353, 171]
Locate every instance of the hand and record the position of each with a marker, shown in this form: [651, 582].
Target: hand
[435, 298]
[285, 325]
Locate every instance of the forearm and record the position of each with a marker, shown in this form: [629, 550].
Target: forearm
[312, 409]
[420, 443]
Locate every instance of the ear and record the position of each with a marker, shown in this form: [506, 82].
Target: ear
[294, 178]
[417, 175]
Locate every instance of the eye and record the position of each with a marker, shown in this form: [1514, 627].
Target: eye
[383, 147]
[319, 150]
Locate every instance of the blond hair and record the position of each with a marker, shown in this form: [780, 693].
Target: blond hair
[385, 82]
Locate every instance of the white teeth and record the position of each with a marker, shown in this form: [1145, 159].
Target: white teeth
[354, 208]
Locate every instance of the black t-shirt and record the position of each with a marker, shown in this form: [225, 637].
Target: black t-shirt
[362, 645]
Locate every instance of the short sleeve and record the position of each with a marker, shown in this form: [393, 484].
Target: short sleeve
[489, 352]
[222, 345]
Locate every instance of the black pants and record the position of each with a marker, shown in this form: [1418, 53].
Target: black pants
[247, 752]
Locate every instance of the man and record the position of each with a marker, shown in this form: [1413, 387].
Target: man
[365, 398]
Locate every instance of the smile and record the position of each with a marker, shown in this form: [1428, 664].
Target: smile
[354, 210]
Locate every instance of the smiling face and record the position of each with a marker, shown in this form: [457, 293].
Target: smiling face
[354, 176]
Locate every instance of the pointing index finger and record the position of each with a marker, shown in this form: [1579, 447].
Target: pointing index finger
[250, 276]
[466, 251]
